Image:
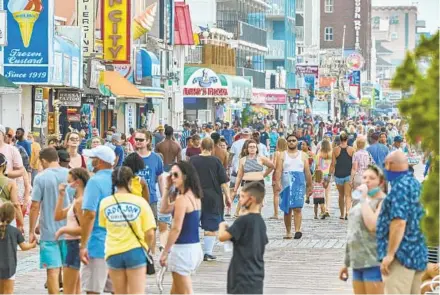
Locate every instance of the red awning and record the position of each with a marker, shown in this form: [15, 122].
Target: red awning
[183, 34]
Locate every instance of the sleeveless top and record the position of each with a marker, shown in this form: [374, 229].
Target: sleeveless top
[4, 191]
[136, 186]
[343, 164]
[71, 222]
[293, 164]
[189, 233]
[252, 165]
[83, 163]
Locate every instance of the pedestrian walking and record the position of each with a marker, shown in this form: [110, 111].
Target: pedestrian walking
[248, 234]
[324, 156]
[72, 143]
[44, 199]
[130, 227]
[33, 157]
[94, 269]
[193, 148]
[77, 180]
[342, 162]
[361, 160]
[280, 148]
[9, 193]
[401, 246]
[214, 181]
[138, 185]
[183, 253]
[10, 238]
[169, 148]
[294, 180]
[360, 251]
[377, 150]
[318, 194]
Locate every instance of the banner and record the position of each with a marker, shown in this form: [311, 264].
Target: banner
[86, 19]
[116, 33]
[27, 57]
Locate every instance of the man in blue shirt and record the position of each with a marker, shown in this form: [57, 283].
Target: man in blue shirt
[401, 245]
[378, 151]
[186, 133]
[19, 134]
[228, 134]
[94, 269]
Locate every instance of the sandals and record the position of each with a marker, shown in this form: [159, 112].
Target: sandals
[298, 235]
[288, 237]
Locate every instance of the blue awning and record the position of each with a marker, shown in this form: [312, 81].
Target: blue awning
[150, 64]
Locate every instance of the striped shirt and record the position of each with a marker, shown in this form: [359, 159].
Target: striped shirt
[185, 135]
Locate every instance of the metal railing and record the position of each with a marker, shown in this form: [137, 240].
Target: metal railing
[252, 34]
[275, 49]
[258, 78]
[195, 55]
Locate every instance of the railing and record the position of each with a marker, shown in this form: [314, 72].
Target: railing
[299, 6]
[299, 31]
[276, 49]
[278, 7]
[252, 34]
[195, 55]
[259, 78]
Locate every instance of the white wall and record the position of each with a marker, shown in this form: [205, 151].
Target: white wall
[10, 109]
[26, 108]
[203, 12]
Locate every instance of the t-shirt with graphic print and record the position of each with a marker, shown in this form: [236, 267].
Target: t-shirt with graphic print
[153, 169]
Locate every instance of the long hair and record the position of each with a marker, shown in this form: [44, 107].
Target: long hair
[134, 162]
[326, 150]
[121, 177]
[191, 179]
[81, 174]
[3, 163]
[281, 145]
[67, 138]
[7, 215]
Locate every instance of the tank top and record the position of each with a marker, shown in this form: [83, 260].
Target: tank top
[252, 165]
[4, 191]
[293, 164]
[83, 163]
[136, 186]
[190, 227]
[71, 222]
[343, 164]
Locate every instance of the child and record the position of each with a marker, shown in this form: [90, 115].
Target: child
[249, 237]
[10, 237]
[318, 193]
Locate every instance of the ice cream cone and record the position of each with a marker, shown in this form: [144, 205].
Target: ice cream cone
[26, 20]
[142, 23]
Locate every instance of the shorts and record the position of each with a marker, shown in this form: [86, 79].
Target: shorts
[94, 275]
[342, 180]
[368, 274]
[164, 218]
[244, 182]
[210, 221]
[317, 201]
[133, 258]
[184, 259]
[52, 254]
[154, 209]
[72, 256]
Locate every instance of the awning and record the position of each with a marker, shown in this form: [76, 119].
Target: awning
[238, 87]
[113, 83]
[153, 92]
[183, 34]
[150, 64]
[5, 83]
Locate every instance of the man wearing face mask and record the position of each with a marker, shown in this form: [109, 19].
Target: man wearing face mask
[401, 246]
[94, 268]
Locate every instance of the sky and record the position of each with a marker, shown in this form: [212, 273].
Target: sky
[429, 11]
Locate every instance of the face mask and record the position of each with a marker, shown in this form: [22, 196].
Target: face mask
[373, 192]
[393, 175]
[109, 138]
[70, 191]
[90, 167]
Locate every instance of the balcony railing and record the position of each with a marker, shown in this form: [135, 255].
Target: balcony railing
[258, 78]
[299, 31]
[195, 55]
[252, 34]
[275, 49]
[278, 7]
[299, 6]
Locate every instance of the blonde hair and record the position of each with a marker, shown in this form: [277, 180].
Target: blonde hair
[317, 177]
[7, 215]
[360, 142]
[281, 145]
[326, 150]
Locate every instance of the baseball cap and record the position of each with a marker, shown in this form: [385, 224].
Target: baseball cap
[246, 131]
[398, 138]
[209, 126]
[160, 127]
[218, 124]
[101, 152]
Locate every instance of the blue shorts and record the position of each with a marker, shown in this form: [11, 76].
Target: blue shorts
[52, 254]
[368, 274]
[72, 257]
[133, 258]
[341, 181]
[210, 221]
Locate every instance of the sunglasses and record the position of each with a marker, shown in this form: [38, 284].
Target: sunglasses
[175, 175]
[292, 140]
[139, 139]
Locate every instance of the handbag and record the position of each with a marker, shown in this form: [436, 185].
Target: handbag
[150, 263]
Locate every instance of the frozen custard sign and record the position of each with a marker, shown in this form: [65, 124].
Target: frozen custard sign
[26, 58]
[357, 23]
[204, 83]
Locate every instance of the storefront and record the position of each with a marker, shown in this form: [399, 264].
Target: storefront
[240, 93]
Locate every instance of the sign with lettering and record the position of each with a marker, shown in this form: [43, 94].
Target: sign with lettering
[204, 83]
[116, 35]
[69, 98]
[30, 41]
[357, 24]
[130, 116]
[307, 70]
[86, 20]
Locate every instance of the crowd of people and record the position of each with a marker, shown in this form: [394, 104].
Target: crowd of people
[96, 204]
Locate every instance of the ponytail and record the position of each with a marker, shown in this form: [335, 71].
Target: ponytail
[7, 215]
[2, 229]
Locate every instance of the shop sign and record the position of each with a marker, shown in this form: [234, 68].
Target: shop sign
[87, 100]
[276, 98]
[205, 83]
[357, 24]
[74, 117]
[130, 116]
[3, 28]
[116, 35]
[307, 70]
[86, 19]
[26, 58]
[205, 91]
[294, 93]
[69, 98]
[355, 61]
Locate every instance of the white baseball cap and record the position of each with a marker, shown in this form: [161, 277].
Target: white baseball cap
[101, 152]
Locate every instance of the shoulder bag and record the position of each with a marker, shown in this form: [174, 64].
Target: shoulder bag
[150, 262]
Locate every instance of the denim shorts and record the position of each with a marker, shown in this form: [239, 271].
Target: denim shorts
[72, 257]
[368, 274]
[343, 180]
[133, 258]
[52, 254]
[210, 221]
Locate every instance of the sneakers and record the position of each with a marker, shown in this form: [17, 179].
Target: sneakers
[208, 257]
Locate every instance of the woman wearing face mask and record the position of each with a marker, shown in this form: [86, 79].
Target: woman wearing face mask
[77, 180]
[360, 252]
[72, 143]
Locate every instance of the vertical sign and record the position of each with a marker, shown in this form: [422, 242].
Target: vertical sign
[130, 116]
[357, 24]
[3, 28]
[30, 29]
[38, 107]
[115, 27]
[86, 19]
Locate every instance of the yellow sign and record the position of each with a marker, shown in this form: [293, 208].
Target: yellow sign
[116, 35]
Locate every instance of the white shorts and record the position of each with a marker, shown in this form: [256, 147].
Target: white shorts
[94, 275]
[184, 259]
